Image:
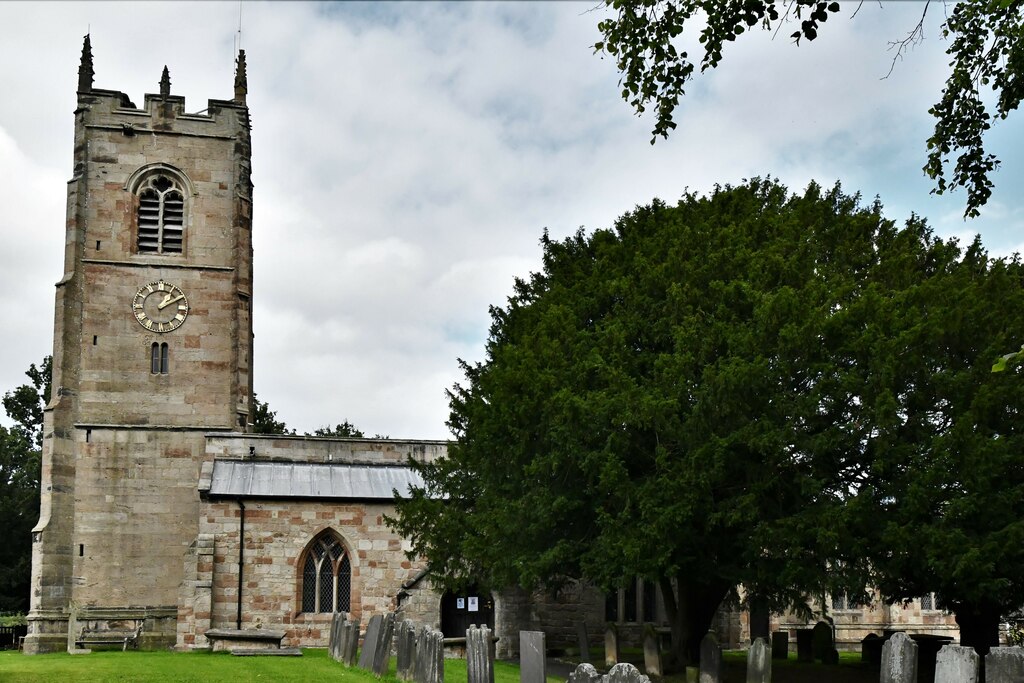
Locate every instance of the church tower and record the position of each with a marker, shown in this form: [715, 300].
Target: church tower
[152, 352]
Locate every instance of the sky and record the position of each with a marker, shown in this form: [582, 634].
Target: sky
[407, 158]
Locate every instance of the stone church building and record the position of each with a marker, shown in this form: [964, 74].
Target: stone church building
[160, 509]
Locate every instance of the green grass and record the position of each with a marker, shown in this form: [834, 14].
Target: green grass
[205, 667]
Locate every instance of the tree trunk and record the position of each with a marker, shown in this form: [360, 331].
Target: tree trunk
[690, 608]
[979, 627]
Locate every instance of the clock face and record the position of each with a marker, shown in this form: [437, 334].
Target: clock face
[160, 306]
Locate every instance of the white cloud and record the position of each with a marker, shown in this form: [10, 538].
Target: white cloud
[407, 156]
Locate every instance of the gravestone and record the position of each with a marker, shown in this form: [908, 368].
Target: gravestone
[652, 652]
[899, 660]
[349, 642]
[584, 673]
[419, 665]
[334, 639]
[625, 673]
[871, 649]
[821, 641]
[1004, 664]
[611, 645]
[405, 645]
[382, 651]
[479, 655]
[428, 666]
[780, 645]
[370, 639]
[710, 660]
[956, 664]
[533, 666]
[760, 620]
[584, 641]
[759, 662]
[805, 645]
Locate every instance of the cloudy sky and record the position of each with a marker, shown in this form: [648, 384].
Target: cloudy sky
[408, 156]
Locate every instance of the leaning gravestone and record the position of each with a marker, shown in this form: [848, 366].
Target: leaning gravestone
[584, 673]
[611, 645]
[334, 639]
[780, 645]
[349, 642]
[532, 657]
[479, 655]
[759, 662]
[382, 653]
[625, 673]
[899, 660]
[710, 660]
[652, 652]
[584, 641]
[370, 640]
[405, 645]
[821, 642]
[956, 664]
[1004, 664]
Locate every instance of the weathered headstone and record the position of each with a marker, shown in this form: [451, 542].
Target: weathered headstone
[780, 645]
[1004, 664]
[584, 641]
[805, 645]
[759, 662]
[710, 660]
[429, 662]
[334, 640]
[871, 649]
[821, 641]
[956, 664]
[419, 664]
[382, 652]
[652, 652]
[479, 655]
[532, 657]
[899, 660]
[405, 646]
[611, 645]
[625, 673]
[349, 642]
[370, 639]
[584, 673]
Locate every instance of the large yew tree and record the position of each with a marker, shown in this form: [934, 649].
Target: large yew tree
[694, 397]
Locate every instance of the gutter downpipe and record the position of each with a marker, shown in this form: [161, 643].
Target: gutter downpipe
[241, 557]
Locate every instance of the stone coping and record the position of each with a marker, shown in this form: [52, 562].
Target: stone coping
[244, 634]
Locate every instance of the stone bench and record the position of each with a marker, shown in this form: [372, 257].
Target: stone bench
[124, 638]
[232, 639]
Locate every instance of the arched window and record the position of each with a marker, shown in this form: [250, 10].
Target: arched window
[161, 217]
[326, 575]
[159, 357]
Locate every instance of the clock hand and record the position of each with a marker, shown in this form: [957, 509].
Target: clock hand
[168, 301]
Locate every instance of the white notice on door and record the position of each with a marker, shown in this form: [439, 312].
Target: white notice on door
[474, 605]
[460, 603]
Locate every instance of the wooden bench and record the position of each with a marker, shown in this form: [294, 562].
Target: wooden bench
[123, 638]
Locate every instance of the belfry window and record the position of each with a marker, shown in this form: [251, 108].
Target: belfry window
[326, 575]
[161, 217]
[159, 357]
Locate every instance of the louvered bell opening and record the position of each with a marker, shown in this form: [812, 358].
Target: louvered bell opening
[174, 218]
[149, 221]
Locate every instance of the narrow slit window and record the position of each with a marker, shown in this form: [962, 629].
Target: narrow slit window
[161, 216]
[159, 358]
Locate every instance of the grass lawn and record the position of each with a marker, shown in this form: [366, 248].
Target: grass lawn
[205, 667]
